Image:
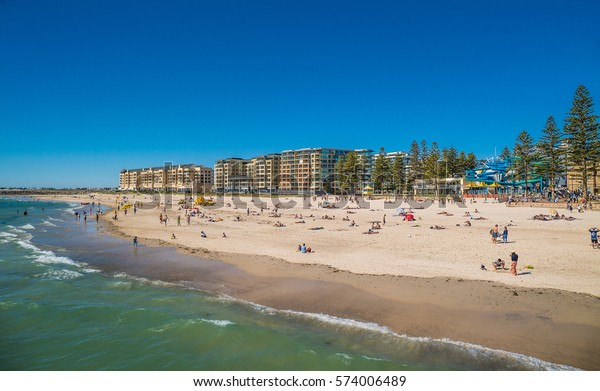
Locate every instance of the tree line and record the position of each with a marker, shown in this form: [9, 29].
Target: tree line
[397, 173]
[575, 148]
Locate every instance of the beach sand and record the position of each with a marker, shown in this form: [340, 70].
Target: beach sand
[412, 279]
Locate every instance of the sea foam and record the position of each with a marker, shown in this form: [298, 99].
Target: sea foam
[39, 255]
[60, 274]
[476, 351]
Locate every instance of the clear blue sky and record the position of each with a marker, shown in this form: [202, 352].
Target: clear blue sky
[88, 87]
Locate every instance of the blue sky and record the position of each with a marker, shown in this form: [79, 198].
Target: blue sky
[90, 87]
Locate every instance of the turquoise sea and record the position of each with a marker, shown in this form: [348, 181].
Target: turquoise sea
[64, 306]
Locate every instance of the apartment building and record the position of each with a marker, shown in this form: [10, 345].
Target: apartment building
[574, 182]
[231, 175]
[308, 170]
[263, 172]
[176, 178]
[151, 179]
[130, 179]
[187, 177]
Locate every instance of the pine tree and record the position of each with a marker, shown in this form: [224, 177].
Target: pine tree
[581, 136]
[424, 153]
[471, 161]
[416, 168]
[506, 154]
[352, 171]
[524, 154]
[551, 153]
[450, 158]
[461, 163]
[381, 172]
[340, 178]
[399, 174]
[431, 164]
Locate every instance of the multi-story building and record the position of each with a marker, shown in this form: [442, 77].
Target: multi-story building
[573, 180]
[147, 178]
[401, 155]
[179, 178]
[263, 172]
[308, 170]
[231, 175]
[130, 179]
[189, 177]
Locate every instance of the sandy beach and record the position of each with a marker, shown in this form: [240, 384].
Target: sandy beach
[409, 277]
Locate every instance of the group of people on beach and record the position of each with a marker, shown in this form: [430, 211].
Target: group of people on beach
[495, 233]
[303, 249]
[499, 264]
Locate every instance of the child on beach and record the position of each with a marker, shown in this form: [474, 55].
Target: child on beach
[505, 235]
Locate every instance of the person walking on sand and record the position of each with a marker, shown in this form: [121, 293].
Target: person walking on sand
[505, 235]
[513, 265]
[594, 237]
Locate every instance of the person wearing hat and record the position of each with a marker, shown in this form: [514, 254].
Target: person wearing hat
[513, 265]
[594, 237]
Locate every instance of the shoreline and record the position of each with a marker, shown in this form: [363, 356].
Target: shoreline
[553, 325]
[413, 306]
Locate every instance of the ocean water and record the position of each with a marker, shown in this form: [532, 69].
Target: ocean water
[64, 305]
